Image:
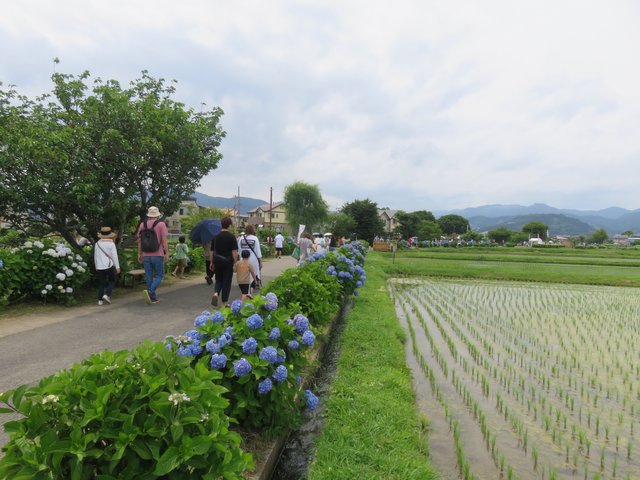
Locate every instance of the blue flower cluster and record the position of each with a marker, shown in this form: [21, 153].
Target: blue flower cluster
[236, 305]
[249, 346]
[272, 301]
[301, 323]
[265, 386]
[312, 400]
[255, 321]
[242, 367]
[218, 361]
[270, 354]
[274, 334]
[1, 263]
[281, 373]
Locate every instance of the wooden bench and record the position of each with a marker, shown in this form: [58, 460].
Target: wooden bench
[135, 275]
[382, 246]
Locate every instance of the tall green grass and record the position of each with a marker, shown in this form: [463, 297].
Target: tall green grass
[372, 427]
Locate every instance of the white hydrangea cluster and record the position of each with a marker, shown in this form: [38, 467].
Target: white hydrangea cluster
[178, 397]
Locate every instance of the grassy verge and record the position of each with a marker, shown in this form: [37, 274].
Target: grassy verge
[372, 428]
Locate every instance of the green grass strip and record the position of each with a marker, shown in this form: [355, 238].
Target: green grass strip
[372, 427]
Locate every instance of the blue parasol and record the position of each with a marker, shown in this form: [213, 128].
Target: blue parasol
[205, 230]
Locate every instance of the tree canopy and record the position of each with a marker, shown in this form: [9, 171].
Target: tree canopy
[81, 157]
[305, 205]
[340, 224]
[536, 229]
[599, 236]
[367, 222]
[500, 235]
[409, 222]
[453, 224]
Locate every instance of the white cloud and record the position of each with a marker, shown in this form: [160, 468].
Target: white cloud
[417, 105]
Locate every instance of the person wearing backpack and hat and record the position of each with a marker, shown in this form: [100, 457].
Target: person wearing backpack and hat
[105, 257]
[153, 251]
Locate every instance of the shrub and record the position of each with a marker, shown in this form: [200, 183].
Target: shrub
[139, 414]
[44, 269]
[310, 290]
[259, 350]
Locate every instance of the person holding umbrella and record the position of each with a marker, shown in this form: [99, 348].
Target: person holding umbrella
[201, 234]
[224, 253]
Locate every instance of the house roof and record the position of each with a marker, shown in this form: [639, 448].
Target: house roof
[265, 207]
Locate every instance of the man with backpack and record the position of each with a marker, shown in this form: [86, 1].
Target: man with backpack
[153, 250]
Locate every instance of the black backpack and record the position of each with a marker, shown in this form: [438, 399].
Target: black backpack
[148, 238]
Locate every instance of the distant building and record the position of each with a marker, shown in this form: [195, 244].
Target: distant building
[263, 217]
[388, 218]
[174, 223]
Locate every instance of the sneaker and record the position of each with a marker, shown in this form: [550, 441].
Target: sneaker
[147, 297]
[208, 279]
[153, 302]
[214, 300]
[99, 302]
[173, 274]
[106, 298]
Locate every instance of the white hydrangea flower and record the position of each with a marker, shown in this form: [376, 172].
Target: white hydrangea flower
[78, 258]
[84, 264]
[29, 251]
[60, 287]
[80, 269]
[38, 244]
[44, 291]
[50, 399]
[28, 245]
[61, 276]
[48, 286]
[74, 265]
[69, 290]
[68, 273]
[176, 398]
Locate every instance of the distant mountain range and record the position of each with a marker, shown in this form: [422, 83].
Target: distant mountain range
[560, 221]
[246, 203]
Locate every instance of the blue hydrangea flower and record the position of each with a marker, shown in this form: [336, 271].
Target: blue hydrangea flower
[212, 346]
[280, 375]
[1, 263]
[301, 323]
[223, 340]
[312, 400]
[270, 354]
[308, 338]
[236, 305]
[356, 293]
[242, 367]
[265, 386]
[249, 346]
[218, 361]
[201, 319]
[194, 335]
[298, 379]
[229, 332]
[272, 301]
[254, 321]
[293, 345]
[218, 317]
[274, 334]
[281, 359]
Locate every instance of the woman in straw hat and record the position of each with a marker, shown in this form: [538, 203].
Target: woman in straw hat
[105, 257]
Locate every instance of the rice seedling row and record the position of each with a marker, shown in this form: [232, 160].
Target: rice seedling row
[554, 366]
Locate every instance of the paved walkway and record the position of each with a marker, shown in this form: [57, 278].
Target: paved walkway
[35, 346]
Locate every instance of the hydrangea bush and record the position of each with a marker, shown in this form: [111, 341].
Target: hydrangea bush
[43, 269]
[260, 351]
[140, 414]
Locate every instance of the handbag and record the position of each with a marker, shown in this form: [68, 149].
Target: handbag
[296, 253]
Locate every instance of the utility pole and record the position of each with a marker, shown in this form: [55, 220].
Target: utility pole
[238, 209]
[270, 215]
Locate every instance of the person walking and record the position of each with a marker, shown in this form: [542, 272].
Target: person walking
[249, 241]
[224, 253]
[245, 274]
[206, 249]
[105, 258]
[306, 247]
[153, 251]
[181, 256]
[279, 241]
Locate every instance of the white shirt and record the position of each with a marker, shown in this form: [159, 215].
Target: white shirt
[244, 241]
[108, 258]
[279, 241]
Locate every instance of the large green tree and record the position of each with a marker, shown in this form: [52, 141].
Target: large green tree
[365, 214]
[305, 205]
[82, 156]
[340, 224]
[409, 222]
[453, 224]
[536, 229]
[500, 235]
[599, 236]
[428, 230]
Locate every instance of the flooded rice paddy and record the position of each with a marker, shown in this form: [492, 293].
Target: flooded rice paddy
[525, 381]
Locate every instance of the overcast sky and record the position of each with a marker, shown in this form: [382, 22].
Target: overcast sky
[415, 105]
